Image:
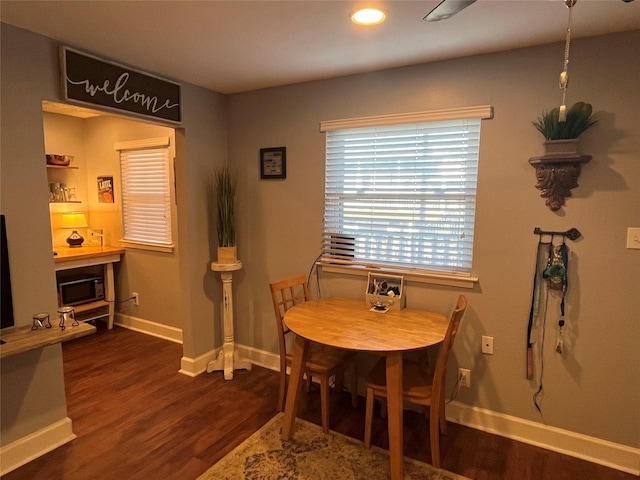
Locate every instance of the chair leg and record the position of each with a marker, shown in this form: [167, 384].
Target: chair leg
[281, 390]
[338, 380]
[354, 385]
[443, 420]
[368, 418]
[324, 402]
[434, 436]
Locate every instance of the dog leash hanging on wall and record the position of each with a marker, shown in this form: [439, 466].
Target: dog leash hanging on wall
[551, 264]
[556, 275]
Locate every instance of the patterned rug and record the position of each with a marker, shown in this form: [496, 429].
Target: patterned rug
[312, 455]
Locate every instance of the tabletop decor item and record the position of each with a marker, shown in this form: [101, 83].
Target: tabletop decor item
[225, 195]
[385, 292]
[67, 314]
[41, 320]
[58, 160]
[73, 221]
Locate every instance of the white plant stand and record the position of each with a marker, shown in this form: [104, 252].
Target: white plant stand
[229, 359]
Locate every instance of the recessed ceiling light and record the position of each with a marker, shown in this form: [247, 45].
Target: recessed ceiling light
[368, 16]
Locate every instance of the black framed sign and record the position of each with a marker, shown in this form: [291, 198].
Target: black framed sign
[92, 81]
[273, 162]
[105, 189]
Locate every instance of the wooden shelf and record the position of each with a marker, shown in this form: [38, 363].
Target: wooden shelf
[62, 167]
[23, 339]
[90, 306]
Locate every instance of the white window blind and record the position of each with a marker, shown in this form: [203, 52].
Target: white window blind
[146, 197]
[402, 195]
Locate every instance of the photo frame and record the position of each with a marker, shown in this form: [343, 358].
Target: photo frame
[105, 189]
[273, 163]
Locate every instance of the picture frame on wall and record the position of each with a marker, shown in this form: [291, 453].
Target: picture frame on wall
[105, 189]
[273, 163]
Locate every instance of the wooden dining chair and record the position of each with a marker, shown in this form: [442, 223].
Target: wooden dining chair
[421, 384]
[323, 361]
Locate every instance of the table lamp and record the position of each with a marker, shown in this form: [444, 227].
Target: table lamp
[74, 220]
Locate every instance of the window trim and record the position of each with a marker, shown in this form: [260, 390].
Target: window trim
[157, 142]
[482, 112]
[409, 274]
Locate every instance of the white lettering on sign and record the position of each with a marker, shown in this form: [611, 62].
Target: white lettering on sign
[121, 94]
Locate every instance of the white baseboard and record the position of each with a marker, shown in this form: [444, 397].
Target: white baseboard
[159, 330]
[591, 449]
[193, 367]
[25, 449]
[260, 357]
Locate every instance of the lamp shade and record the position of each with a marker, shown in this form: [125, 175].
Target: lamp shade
[74, 220]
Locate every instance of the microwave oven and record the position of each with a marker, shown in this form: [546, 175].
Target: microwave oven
[82, 289]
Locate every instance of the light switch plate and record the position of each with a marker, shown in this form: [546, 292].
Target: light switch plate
[633, 237]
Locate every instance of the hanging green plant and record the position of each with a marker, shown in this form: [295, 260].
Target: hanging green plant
[578, 120]
[225, 184]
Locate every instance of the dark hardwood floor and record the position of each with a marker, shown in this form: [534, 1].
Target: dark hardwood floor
[136, 417]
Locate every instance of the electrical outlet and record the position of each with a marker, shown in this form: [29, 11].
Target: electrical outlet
[464, 376]
[487, 345]
[136, 300]
[633, 238]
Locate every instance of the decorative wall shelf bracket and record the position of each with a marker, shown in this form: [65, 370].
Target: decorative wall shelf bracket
[557, 174]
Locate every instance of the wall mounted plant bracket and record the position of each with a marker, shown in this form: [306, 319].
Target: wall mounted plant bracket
[557, 171]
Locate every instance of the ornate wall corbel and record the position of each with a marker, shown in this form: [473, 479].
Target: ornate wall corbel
[557, 173]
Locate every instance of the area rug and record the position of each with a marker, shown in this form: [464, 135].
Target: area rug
[312, 455]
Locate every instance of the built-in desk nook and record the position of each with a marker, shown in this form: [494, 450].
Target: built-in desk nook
[74, 264]
[23, 339]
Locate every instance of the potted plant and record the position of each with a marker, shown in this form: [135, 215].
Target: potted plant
[225, 186]
[562, 136]
[557, 171]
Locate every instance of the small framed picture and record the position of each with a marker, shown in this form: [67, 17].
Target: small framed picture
[105, 190]
[273, 162]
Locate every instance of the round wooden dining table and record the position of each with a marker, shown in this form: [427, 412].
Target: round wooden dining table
[352, 325]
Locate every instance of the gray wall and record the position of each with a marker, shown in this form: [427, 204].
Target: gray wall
[30, 74]
[593, 388]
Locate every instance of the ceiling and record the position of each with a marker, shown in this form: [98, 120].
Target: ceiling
[236, 46]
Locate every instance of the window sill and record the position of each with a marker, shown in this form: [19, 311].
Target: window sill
[147, 246]
[416, 276]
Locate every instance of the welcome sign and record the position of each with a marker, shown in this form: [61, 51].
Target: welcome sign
[90, 80]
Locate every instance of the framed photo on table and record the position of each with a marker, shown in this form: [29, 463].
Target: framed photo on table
[273, 163]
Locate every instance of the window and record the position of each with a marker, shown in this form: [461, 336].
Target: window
[400, 191]
[146, 195]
